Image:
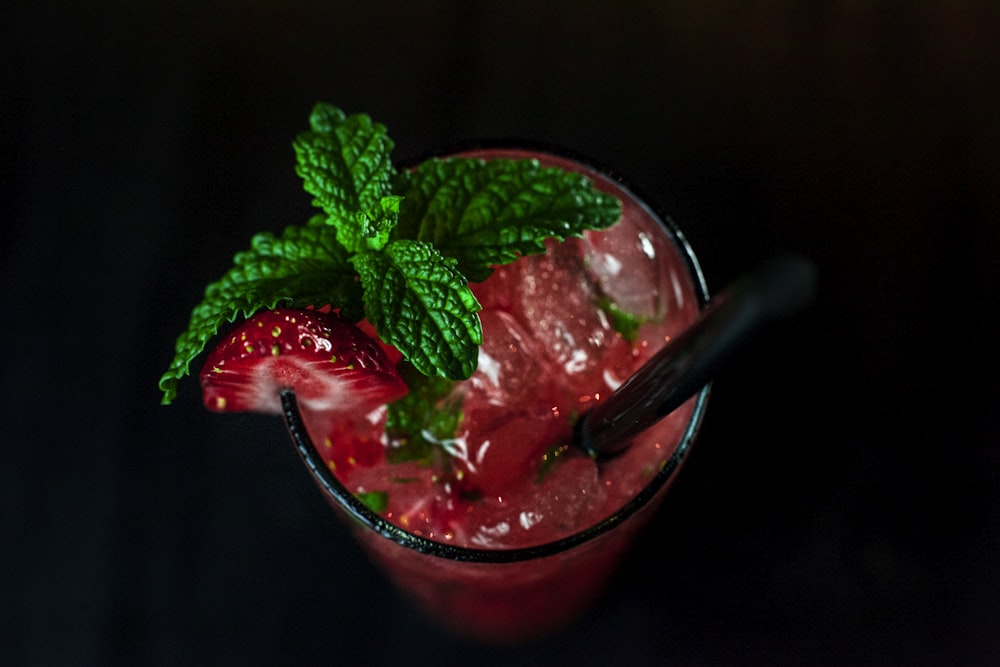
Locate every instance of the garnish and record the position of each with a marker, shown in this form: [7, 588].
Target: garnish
[397, 248]
[331, 365]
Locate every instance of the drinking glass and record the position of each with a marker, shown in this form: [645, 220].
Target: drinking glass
[509, 595]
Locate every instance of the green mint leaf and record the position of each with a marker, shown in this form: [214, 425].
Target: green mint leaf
[622, 321]
[376, 501]
[304, 266]
[551, 456]
[419, 302]
[419, 421]
[369, 230]
[490, 213]
[344, 162]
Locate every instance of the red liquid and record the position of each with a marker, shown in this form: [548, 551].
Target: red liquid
[551, 350]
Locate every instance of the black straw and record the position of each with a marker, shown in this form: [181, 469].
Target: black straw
[737, 315]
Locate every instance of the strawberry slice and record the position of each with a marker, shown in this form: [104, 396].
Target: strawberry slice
[330, 364]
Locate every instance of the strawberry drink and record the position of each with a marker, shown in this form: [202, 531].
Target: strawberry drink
[458, 468]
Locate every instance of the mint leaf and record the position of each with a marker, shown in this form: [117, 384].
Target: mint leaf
[428, 414]
[304, 266]
[489, 213]
[344, 162]
[621, 321]
[376, 501]
[419, 302]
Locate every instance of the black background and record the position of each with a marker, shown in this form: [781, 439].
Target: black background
[841, 505]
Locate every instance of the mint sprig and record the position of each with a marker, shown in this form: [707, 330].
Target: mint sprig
[396, 247]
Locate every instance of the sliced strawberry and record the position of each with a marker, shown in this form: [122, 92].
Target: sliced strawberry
[330, 364]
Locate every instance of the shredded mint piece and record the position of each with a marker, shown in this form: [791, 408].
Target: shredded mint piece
[622, 321]
[377, 501]
[549, 460]
[305, 266]
[428, 414]
[420, 303]
[490, 213]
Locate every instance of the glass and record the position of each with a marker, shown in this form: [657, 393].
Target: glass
[506, 595]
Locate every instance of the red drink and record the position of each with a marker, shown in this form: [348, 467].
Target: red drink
[514, 532]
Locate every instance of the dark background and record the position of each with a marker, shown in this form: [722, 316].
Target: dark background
[842, 503]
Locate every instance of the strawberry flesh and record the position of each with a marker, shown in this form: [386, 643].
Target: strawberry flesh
[330, 364]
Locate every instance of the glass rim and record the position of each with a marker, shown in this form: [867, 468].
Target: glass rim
[335, 491]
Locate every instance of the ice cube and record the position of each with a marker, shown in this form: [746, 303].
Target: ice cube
[560, 308]
[496, 292]
[568, 492]
[565, 498]
[627, 263]
[512, 369]
[501, 451]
